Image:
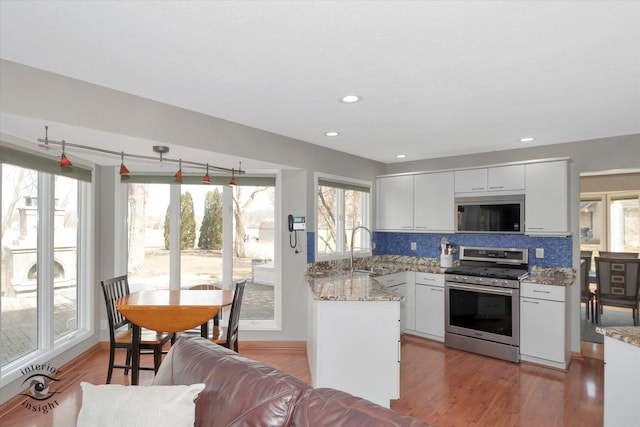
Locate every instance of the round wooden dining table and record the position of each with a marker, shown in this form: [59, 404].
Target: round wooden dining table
[169, 311]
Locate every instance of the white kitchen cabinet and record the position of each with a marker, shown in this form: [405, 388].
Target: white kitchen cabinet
[403, 284]
[354, 346]
[621, 379]
[402, 290]
[543, 325]
[434, 202]
[471, 180]
[395, 203]
[429, 305]
[505, 178]
[546, 198]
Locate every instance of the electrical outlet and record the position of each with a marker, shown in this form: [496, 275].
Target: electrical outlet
[414, 246]
[103, 325]
[539, 252]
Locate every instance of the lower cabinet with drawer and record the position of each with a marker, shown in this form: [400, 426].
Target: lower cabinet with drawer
[429, 294]
[543, 325]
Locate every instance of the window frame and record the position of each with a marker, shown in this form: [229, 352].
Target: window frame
[606, 198]
[48, 347]
[274, 324]
[366, 217]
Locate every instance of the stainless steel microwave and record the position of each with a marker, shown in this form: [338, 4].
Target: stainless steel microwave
[490, 214]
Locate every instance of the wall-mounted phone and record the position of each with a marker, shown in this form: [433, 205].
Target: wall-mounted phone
[296, 223]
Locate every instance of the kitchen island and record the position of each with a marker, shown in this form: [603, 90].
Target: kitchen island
[354, 335]
[621, 375]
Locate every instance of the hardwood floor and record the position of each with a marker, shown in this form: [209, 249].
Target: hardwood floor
[441, 386]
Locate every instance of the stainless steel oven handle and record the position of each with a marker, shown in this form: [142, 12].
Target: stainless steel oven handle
[482, 289]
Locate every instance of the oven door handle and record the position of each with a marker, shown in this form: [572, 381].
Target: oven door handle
[483, 289]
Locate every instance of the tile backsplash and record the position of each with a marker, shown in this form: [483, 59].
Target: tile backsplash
[557, 250]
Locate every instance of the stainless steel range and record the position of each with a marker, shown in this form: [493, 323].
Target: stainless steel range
[482, 301]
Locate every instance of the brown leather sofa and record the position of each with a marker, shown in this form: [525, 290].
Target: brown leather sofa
[244, 392]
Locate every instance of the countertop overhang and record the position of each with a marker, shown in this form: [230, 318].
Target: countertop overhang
[348, 286]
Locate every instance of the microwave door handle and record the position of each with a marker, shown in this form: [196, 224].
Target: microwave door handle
[483, 289]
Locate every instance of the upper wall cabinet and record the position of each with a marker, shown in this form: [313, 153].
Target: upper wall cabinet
[425, 202]
[395, 202]
[433, 202]
[500, 178]
[505, 178]
[471, 180]
[546, 198]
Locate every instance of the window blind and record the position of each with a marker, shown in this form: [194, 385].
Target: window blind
[244, 180]
[326, 182]
[33, 161]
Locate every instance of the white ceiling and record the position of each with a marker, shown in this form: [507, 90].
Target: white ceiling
[438, 78]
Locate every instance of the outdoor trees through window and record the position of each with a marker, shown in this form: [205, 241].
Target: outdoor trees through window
[204, 255]
[341, 207]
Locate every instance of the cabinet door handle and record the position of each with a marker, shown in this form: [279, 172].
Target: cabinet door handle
[407, 226]
[531, 302]
[497, 186]
[436, 290]
[541, 292]
[477, 188]
[535, 228]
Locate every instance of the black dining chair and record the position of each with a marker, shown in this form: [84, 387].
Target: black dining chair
[587, 295]
[228, 336]
[626, 255]
[618, 285]
[215, 320]
[120, 330]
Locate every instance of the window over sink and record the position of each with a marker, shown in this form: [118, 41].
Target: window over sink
[342, 205]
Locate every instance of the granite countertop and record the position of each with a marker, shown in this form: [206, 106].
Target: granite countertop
[334, 281]
[389, 263]
[347, 286]
[551, 276]
[628, 334]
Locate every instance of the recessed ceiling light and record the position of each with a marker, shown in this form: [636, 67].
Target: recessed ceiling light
[331, 134]
[526, 139]
[401, 156]
[350, 99]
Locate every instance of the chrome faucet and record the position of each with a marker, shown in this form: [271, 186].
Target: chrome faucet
[353, 233]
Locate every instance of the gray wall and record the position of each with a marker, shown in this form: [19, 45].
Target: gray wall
[52, 98]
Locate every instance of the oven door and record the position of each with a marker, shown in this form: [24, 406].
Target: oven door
[483, 312]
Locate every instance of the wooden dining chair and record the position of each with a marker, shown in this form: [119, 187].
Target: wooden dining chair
[618, 285]
[228, 336]
[216, 318]
[120, 331]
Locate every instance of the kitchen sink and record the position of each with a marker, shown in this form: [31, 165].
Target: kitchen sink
[373, 270]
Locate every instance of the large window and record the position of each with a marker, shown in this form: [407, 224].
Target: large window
[148, 254]
[44, 260]
[610, 222]
[342, 207]
[221, 235]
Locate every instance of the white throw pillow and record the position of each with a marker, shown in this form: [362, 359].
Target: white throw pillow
[123, 406]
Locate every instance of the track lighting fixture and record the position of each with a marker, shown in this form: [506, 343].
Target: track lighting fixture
[205, 178]
[233, 175]
[124, 171]
[178, 175]
[123, 168]
[64, 161]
